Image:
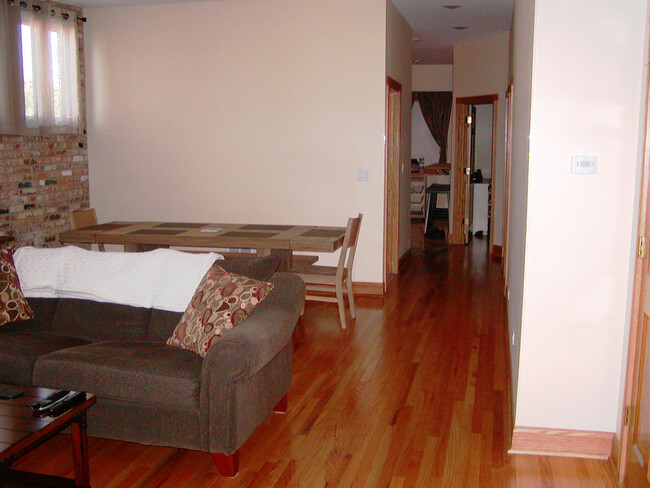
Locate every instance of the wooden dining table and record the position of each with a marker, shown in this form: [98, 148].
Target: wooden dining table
[265, 239]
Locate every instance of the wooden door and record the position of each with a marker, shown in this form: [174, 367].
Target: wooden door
[634, 463]
[392, 163]
[635, 470]
[460, 179]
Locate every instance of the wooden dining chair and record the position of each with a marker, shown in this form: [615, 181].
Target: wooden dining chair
[85, 218]
[321, 281]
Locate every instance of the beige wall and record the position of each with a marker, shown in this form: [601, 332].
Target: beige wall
[580, 229]
[398, 67]
[433, 77]
[481, 68]
[240, 111]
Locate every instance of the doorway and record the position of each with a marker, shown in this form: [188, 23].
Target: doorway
[475, 153]
[480, 169]
[430, 178]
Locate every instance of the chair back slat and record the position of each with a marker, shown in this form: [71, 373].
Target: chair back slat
[349, 247]
[83, 218]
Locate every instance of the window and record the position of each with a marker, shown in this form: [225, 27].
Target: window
[40, 90]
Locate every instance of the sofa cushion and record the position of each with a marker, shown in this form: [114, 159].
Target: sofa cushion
[163, 322]
[98, 321]
[222, 301]
[20, 348]
[144, 372]
[13, 305]
[257, 268]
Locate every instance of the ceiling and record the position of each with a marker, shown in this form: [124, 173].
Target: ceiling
[432, 23]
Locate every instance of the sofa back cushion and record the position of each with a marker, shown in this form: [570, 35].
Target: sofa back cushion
[162, 324]
[257, 268]
[44, 310]
[98, 321]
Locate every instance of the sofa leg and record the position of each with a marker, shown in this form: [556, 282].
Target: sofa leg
[282, 406]
[228, 465]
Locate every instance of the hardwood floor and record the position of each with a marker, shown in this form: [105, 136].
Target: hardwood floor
[414, 393]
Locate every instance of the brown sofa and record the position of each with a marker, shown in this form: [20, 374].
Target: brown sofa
[152, 393]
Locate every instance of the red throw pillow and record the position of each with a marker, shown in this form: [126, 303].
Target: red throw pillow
[221, 301]
[13, 306]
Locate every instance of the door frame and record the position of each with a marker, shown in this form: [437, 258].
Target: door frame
[460, 178]
[392, 150]
[635, 319]
[506, 184]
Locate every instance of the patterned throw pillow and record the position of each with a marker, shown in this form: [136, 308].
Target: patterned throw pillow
[221, 301]
[13, 305]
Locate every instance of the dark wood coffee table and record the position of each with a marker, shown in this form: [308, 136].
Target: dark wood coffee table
[21, 430]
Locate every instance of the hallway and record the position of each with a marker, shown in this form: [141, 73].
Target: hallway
[413, 394]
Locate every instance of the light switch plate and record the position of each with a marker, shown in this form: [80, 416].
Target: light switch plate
[363, 174]
[584, 165]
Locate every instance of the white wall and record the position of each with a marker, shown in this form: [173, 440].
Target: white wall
[240, 111]
[587, 98]
[481, 68]
[522, 71]
[480, 208]
[398, 66]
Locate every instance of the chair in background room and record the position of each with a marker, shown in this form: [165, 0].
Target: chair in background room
[321, 280]
[85, 218]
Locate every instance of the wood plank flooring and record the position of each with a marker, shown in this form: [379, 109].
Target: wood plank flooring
[414, 393]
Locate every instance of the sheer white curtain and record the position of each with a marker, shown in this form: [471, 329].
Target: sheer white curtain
[38, 62]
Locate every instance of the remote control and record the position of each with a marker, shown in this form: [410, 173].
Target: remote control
[49, 400]
[51, 405]
[65, 403]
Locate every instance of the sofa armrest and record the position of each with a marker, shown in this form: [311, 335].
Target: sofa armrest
[245, 349]
[241, 353]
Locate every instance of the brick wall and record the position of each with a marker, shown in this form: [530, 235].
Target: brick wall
[44, 178]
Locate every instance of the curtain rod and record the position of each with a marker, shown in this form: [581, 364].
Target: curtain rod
[38, 8]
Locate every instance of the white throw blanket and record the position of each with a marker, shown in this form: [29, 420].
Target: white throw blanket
[163, 279]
